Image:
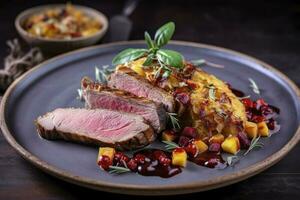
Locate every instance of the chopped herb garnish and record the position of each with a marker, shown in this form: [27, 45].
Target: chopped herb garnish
[170, 145]
[118, 170]
[254, 86]
[254, 144]
[174, 120]
[221, 113]
[161, 60]
[212, 92]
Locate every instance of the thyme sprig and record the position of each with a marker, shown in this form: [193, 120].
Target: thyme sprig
[174, 120]
[118, 170]
[254, 144]
[170, 145]
[254, 86]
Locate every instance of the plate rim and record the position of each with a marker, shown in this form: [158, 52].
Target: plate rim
[172, 189]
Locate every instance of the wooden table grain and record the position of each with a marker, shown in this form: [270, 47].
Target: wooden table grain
[268, 30]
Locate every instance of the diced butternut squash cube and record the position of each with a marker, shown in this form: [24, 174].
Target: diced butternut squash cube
[263, 129]
[179, 157]
[251, 129]
[168, 135]
[106, 151]
[231, 145]
[218, 138]
[201, 146]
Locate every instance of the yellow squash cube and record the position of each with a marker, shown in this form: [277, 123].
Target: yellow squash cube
[218, 138]
[231, 145]
[251, 129]
[106, 151]
[179, 157]
[201, 146]
[168, 136]
[263, 129]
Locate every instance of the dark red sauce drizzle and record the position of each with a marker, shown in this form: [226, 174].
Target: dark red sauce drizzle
[154, 164]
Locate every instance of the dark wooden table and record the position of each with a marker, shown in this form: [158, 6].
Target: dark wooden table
[267, 30]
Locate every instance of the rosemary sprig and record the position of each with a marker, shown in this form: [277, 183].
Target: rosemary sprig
[254, 144]
[202, 62]
[170, 145]
[254, 86]
[118, 170]
[174, 120]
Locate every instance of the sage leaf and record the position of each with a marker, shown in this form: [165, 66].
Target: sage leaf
[169, 57]
[164, 34]
[149, 41]
[128, 55]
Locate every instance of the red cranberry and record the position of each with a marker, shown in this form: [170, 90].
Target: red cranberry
[271, 124]
[105, 162]
[164, 161]
[140, 158]
[212, 162]
[157, 154]
[214, 147]
[183, 141]
[191, 150]
[243, 139]
[247, 102]
[189, 132]
[132, 165]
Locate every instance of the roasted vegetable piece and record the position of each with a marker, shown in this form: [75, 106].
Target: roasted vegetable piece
[218, 138]
[201, 146]
[168, 135]
[179, 157]
[263, 129]
[106, 151]
[251, 129]
[231, 145]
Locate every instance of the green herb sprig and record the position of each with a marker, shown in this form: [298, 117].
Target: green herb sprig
[174, 120]
[254, 144]
[162, 60]
[118, 170]
[170, 145]
[254, 86]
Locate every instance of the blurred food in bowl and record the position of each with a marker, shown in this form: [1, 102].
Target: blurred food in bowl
[62, 23]
[60, 28]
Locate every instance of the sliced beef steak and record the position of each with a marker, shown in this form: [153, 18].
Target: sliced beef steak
[101, 96]
[126, 79]
[99, 127]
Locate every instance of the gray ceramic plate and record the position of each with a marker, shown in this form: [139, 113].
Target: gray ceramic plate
[53, 84]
